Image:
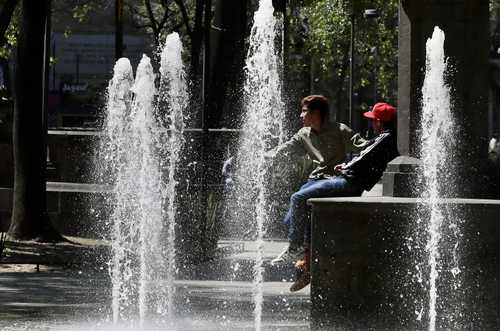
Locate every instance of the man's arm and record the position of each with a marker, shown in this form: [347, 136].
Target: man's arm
[374, 154]
[353, 143]
[293, 147]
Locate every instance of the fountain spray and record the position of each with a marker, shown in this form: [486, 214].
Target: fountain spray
[262, 129]
[142, 164]
[437, 125]
[173, 97]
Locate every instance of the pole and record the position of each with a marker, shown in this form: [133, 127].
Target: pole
[77, 68]
[118, 29]
[375, 60]
[285, 44]
[351, 72]
[205, 97]
[54, 66]
[45, 107]
[284, 58]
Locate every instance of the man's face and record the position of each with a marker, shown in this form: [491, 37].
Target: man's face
[377, 125]
[308, 116]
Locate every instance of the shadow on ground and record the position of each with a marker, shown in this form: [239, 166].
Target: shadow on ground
[79, 253]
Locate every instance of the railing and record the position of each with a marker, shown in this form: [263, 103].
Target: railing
[73, 132]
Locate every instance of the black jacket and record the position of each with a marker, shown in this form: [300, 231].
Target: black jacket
[366, 169]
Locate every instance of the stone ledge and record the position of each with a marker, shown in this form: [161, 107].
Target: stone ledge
[363, 273]
[78, 187]
[368, 200]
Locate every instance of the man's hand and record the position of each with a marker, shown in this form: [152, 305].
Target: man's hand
[338, 168]
[268, 157]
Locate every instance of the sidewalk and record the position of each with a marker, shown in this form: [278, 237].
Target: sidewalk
[58, 298]
[77, 301]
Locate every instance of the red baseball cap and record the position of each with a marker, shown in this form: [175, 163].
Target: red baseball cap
[382, 111]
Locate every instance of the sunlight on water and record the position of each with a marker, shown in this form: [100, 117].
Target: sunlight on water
[174, 96]
[437, 142]
[262, 129]
[142, 164]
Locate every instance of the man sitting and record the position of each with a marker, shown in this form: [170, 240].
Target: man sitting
[360, 174]
[326, 144]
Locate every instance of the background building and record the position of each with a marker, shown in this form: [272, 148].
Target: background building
[83, 58]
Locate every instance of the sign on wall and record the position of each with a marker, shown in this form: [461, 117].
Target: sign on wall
[82, 58]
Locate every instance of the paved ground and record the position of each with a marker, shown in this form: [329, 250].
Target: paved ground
[75, 297]
[62, 300]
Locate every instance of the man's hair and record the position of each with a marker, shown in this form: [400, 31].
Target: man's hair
[317, 102]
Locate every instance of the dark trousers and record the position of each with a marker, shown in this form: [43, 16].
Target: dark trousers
[297, 217]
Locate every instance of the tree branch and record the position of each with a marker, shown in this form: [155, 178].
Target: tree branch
[143, 26]
[185, 16]
[177, 27]
[151, 15]
[165, 15]
[165, 4]
[138, 18]
[137, 14]
[196, 38]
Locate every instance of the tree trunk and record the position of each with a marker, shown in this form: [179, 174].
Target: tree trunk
[196, 41]
[118, 29]
[227, 53]
[342, 114]
[30, 219]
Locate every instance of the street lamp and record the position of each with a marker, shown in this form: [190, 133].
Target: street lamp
[374, 52]
[351, 69]
[368, 13]
[372, 13]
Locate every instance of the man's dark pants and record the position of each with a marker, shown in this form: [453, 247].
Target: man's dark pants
[297, 217]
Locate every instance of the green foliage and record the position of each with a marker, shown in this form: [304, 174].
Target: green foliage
[329, 39]
[79, 10]
[494, 5]
[10, 36]
[82, 11]
[328, 35]
[494, 10]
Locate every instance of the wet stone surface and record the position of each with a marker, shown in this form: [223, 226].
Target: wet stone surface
[63, 300]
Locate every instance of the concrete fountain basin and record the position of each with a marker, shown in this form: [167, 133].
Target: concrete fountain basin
[369, 265]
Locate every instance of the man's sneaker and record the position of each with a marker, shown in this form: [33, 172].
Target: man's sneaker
[289, 255]
[301, 282]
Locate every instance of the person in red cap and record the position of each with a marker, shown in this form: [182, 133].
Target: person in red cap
[367, 168]
[382, 113]
[362, 172]
[322, 144]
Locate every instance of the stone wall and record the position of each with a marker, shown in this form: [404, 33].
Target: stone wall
[466, 26]
[368, 255]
